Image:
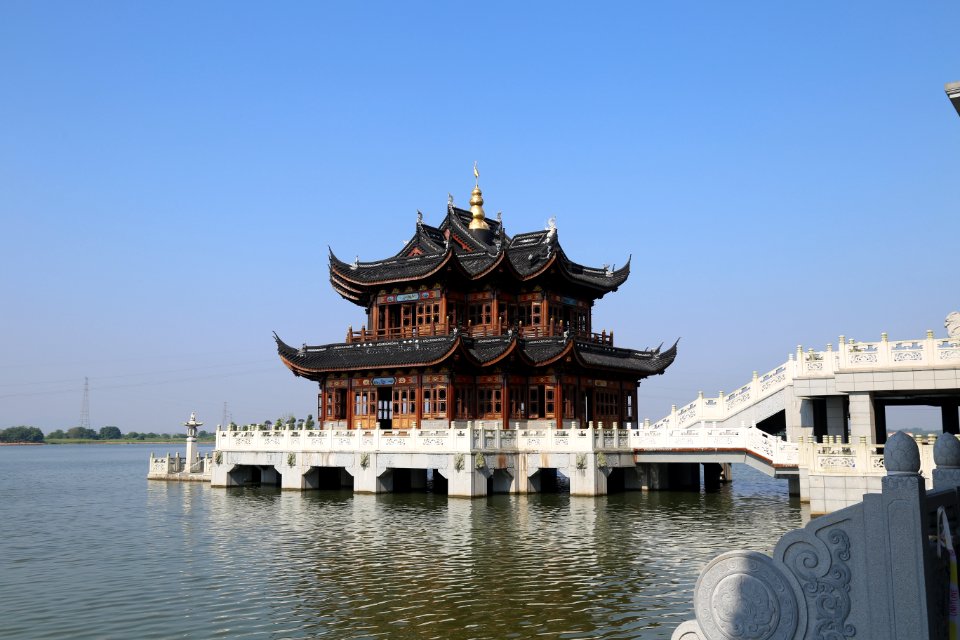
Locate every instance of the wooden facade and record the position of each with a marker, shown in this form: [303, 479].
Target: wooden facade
[468, 324]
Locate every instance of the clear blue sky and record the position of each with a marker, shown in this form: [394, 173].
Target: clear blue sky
[171, 175]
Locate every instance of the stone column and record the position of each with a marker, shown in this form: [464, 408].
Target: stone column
[793, 486]
[468, 482]
[835, 423]
[299, 478]
[367, 478]
[590, 480]
[711, 476]
[862, 422]
[797, 414]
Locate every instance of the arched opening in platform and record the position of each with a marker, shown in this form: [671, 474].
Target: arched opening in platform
[550, 480]
[414, 480]
[328, 478]
[616, 481]
[243, 475]
[436, 482]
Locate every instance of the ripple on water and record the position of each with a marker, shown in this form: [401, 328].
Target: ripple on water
[89, 549]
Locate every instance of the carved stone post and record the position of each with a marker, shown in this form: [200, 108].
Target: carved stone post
[946, 455]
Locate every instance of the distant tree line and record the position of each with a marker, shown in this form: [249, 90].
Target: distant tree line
[21, 434]
[83, 433]
[33, 434]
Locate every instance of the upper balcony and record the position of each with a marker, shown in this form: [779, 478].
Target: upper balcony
[552, 330]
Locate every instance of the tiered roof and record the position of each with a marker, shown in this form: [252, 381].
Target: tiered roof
[473, 256]
[465, 249]
[315, 362]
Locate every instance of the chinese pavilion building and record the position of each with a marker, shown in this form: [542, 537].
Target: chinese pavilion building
[468, 324]
[477, 365]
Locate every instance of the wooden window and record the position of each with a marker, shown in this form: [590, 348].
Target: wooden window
[435, 401]
[406, 316]
[335, 401]
[629, 407]
[465, 399]
[480, 313]
[404, 401]
[535, 401]
[365, 402]
[535, 318]
[428, 313]
[607, 406]
[489, 402]
[541, 401]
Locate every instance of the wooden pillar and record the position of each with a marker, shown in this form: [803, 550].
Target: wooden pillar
[621, 405]
[504, 401]
[320, 395]
[558, 401]
[350, 403]
[451, 399]
[418, 410]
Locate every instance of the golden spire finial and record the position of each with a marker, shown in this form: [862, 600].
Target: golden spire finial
[476, 203]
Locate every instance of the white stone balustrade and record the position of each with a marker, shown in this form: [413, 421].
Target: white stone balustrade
[473, 439]
[850, 355]
[861, 458]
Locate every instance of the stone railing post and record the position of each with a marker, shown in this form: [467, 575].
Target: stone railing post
[946, 456]
[903, 532]
[884, 356]
[929, 349]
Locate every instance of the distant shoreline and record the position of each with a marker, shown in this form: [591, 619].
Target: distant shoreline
[114, 442]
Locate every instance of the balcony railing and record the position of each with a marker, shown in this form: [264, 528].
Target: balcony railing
[553, 330]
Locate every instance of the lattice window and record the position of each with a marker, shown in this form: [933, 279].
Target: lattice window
[404, 401]
[365, 402]
[428, 313]
[607, 405]
[335, 404]
[480, 313]
[435, 401]
[489, 402]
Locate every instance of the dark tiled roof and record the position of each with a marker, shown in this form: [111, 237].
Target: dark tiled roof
[642, 363]
[314, 361]
[429, 240]
[366, 355]
[488, 349]
[527, 253]
[543, 349]
[389, 270]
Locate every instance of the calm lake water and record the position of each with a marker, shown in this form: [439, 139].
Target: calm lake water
[90, 549]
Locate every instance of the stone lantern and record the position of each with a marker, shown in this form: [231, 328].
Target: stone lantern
[191, 426]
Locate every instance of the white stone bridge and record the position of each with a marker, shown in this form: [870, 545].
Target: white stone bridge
[832, 403]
